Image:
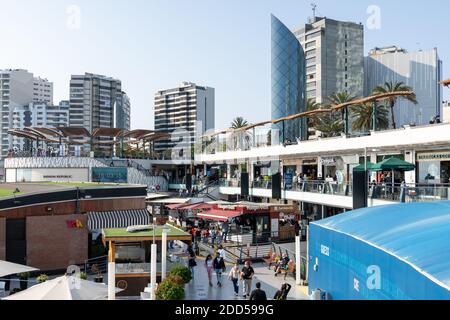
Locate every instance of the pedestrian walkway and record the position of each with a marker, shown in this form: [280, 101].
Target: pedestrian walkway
[199, 289]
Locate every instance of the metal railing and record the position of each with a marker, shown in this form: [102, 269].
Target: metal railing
[279, 251]
[96, 265]
[398, 192]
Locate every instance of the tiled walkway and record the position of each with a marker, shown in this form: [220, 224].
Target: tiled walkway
[199, 288]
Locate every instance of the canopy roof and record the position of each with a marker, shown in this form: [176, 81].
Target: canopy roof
[417, 234]
[9, 268]
[107, 132]
[446, 82]
[122, 235]
[48, 131]
[74, 131]
[219, 215]
[64, 288]
[137, 134]
[394, 164]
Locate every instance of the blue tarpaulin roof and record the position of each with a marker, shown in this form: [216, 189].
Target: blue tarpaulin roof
[418, 234]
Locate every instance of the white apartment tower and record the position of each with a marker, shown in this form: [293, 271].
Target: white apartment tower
[19, 88]
[184, 112]
[98, 101]
[39, 114]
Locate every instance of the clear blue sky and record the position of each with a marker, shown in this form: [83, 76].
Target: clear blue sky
[156, 44]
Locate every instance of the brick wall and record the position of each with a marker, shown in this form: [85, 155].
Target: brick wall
[52, 245]
[2, 239]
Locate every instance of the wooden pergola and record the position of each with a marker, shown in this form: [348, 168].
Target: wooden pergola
[446, 82]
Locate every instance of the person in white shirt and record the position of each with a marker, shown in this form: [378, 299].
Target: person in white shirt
[222, 252]
[234, 276]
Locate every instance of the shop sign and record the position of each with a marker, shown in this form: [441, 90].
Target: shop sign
[328, 161]
[309, 162]
[437, 156]
[74, 224]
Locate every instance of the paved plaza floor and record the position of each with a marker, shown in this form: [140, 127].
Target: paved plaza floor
[199, 289]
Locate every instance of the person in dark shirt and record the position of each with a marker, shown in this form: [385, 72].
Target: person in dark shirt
[247, 276]
[219, 267]
[283, 292]
[258, 294]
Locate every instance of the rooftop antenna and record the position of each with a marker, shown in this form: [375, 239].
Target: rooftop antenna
[314, 8]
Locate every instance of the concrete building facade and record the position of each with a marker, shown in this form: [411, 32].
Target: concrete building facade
[184, 112]
[334, 52]
[421, 70]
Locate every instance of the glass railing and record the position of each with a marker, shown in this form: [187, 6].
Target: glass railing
[138, 268]
[382, 191]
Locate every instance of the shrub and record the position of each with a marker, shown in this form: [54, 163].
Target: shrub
[83, 276]
[170, 289]
[23, 275]
[42, 278]
[181, 271]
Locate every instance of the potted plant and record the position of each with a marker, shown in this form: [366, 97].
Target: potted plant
[99, 277]
[181, 271]
[171, 288]
[42, 278]
[23, 277]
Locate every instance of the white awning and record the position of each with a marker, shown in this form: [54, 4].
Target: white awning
[118, 219]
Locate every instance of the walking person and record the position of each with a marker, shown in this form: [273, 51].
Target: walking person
[225, 229]
[234, 276]
[209, 268]
[247, 277]
[213, 235]
[219, 267]
[283, 292]
[258, 294]
[191, 260]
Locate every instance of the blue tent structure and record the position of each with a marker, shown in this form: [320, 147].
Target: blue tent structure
[395, 252]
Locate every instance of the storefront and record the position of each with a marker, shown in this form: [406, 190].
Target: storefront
[433, 167]
[309, 167]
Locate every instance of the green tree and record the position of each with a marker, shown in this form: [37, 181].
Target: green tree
[330, 124]
[311, 105]
[392, 87]
[339, 98]
[171, 288]
[362, 116]
[238, 123]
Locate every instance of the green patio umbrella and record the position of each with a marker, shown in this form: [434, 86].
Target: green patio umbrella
[394, 164]
[362, 167]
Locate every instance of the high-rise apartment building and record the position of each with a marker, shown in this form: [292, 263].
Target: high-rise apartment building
[94, 101]
[421, 70]
[183, 112]
[334, 52]
[19, 88]
[42, 91]
[39, 114]
[123, 112]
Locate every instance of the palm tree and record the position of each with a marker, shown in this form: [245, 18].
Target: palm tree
[238, 123]
[330, 124]
[311, 105]
[391, 87]
[362, 116]
[339, 98]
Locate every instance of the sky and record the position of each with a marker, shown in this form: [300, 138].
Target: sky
[225, 44]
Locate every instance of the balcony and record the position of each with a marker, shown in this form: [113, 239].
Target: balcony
[336, 194]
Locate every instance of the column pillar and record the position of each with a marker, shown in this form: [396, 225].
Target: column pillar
[154, 252]
[298, 252]
[112, 272]
[164, 255]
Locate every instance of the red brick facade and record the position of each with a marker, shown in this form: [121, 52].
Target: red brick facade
[2, 239]
[52, 244]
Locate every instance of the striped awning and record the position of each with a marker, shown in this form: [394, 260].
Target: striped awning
[118, 219]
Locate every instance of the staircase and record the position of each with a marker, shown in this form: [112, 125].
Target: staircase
[210, 191]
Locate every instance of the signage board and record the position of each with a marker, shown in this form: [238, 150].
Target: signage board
[110, 175]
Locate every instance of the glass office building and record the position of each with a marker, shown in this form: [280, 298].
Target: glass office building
[288, 82]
